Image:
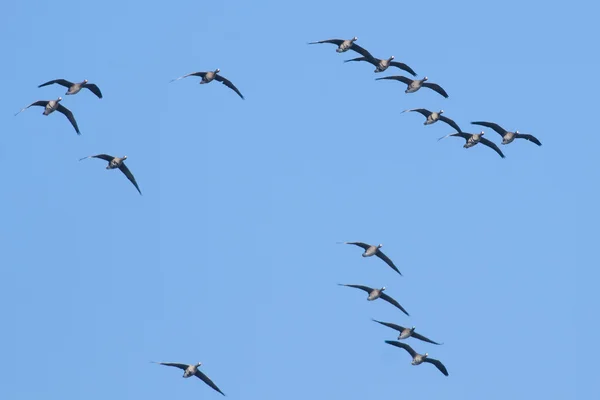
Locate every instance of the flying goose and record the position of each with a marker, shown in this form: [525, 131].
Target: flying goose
[382, 64]
[374, 294]
[371, 250]
[433, 117]
[419, 358]
[74, 88]
[474, 138]
[117, 162]
[405, 333]
[53, 105]
[344, 45]
[209, 76]
[192, 370]
[507, 136]
[414, 85]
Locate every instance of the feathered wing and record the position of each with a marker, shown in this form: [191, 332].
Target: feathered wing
[62, 82]
[491, 145]
[393, 302]
[423, 338]
[334, 41]
[67, 113]
[94, 89]
[129, 176]
[228, 83]
[529, 137]
[491, 125]
[435, 87]
[41, 103]
[438, 364]
[387, 260]
[400, 78]
[207, 380]
[402, 346]
[365, 246]
[404, 67]
[200, 74]
[450, 122]
[104, 157]
[424, 112]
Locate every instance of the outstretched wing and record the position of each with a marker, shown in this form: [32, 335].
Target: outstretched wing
[360, 50]
[104, 157]
[361, 287]
[423, 338]
[200, 74]
[62, 82]
[41, 103]
[393, 302]
[529, 137]
[400, 78]
[435, 87]
[491, 125]
[207, 380]
[67, 113]
[390, 325]
[368, 59]
[492, 145]
[450, 122]
[402, 346]
[438, 364]
[403, 67]
[228, 83]
[170, 364]
[424, 112]
[387, 260]
[359, 244]
[94, 89]
[334, 41]
[129, 176]
[463, 135]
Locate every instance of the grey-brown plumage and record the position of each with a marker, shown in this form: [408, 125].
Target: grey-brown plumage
[192, 370]
[344, 45]
[209, 76]
[474, 138]
[431, 117]
[405, 333]
[507, 136]
[383, 64]
[414, 85]
[53, 105]
[374, 294]
[372, 250]
[419, 358]
[74, 88]
[117, 162]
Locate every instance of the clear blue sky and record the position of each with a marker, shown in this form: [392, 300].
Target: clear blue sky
[230, 255]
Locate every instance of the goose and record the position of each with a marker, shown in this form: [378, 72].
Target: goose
[53, 105]
[344, 45]
[382, 64]
[414, 85]
[209, 76]
[192, 370]
[374, 294]
[419, 358]
[474, 138]
[507, 136]
[433, 117]
[371, 250]
[74, 88]
[117, 162]
[405, 333]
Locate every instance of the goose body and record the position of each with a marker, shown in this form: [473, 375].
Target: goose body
[74, 88]
[209, 76]
[375, 294]
[372, 250]
[54, 105]
[405, 333]
[383, 64]
[431, 117]
[507, 136]
[417, 358]
[415, 85]
[344, 45]
[192, 370]
[474, 138]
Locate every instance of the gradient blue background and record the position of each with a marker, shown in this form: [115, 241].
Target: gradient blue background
[230, 255]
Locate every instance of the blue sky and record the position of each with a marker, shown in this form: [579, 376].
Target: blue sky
[230, 256]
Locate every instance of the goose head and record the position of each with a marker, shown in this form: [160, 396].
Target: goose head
[217, 70]
[198, 364]
[391, 58]
[382, 289]
[354, 39]
[517, 132]
[441, 112]
[379, 245]
[424, 79]
[425, 355]
[481, 133]
[124, 158]
[85, 81]
[59, 99]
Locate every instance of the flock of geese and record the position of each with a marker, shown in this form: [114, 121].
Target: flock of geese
[413, 85]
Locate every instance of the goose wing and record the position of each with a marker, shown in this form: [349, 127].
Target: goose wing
[450, 122]
[129, 176]
[359, 244]
[170, 364]
[390, 325]
[400, 78]
[438, 364]
[104, 157]
[491, 125]
[423, 338]
[424, 112]
[403, 66]
[361, 287]
[435, 87]
[402, 346]
[62, 82]
[393, 302]
[207, 380]
[334, 41]
[228, 83]
[41, 103]
[200, 74]
[368, 59]
[360, 50]
[492, 145]
[67, 113]
[94, 89]
[529, 137]
[463, 135]
[387, 260]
